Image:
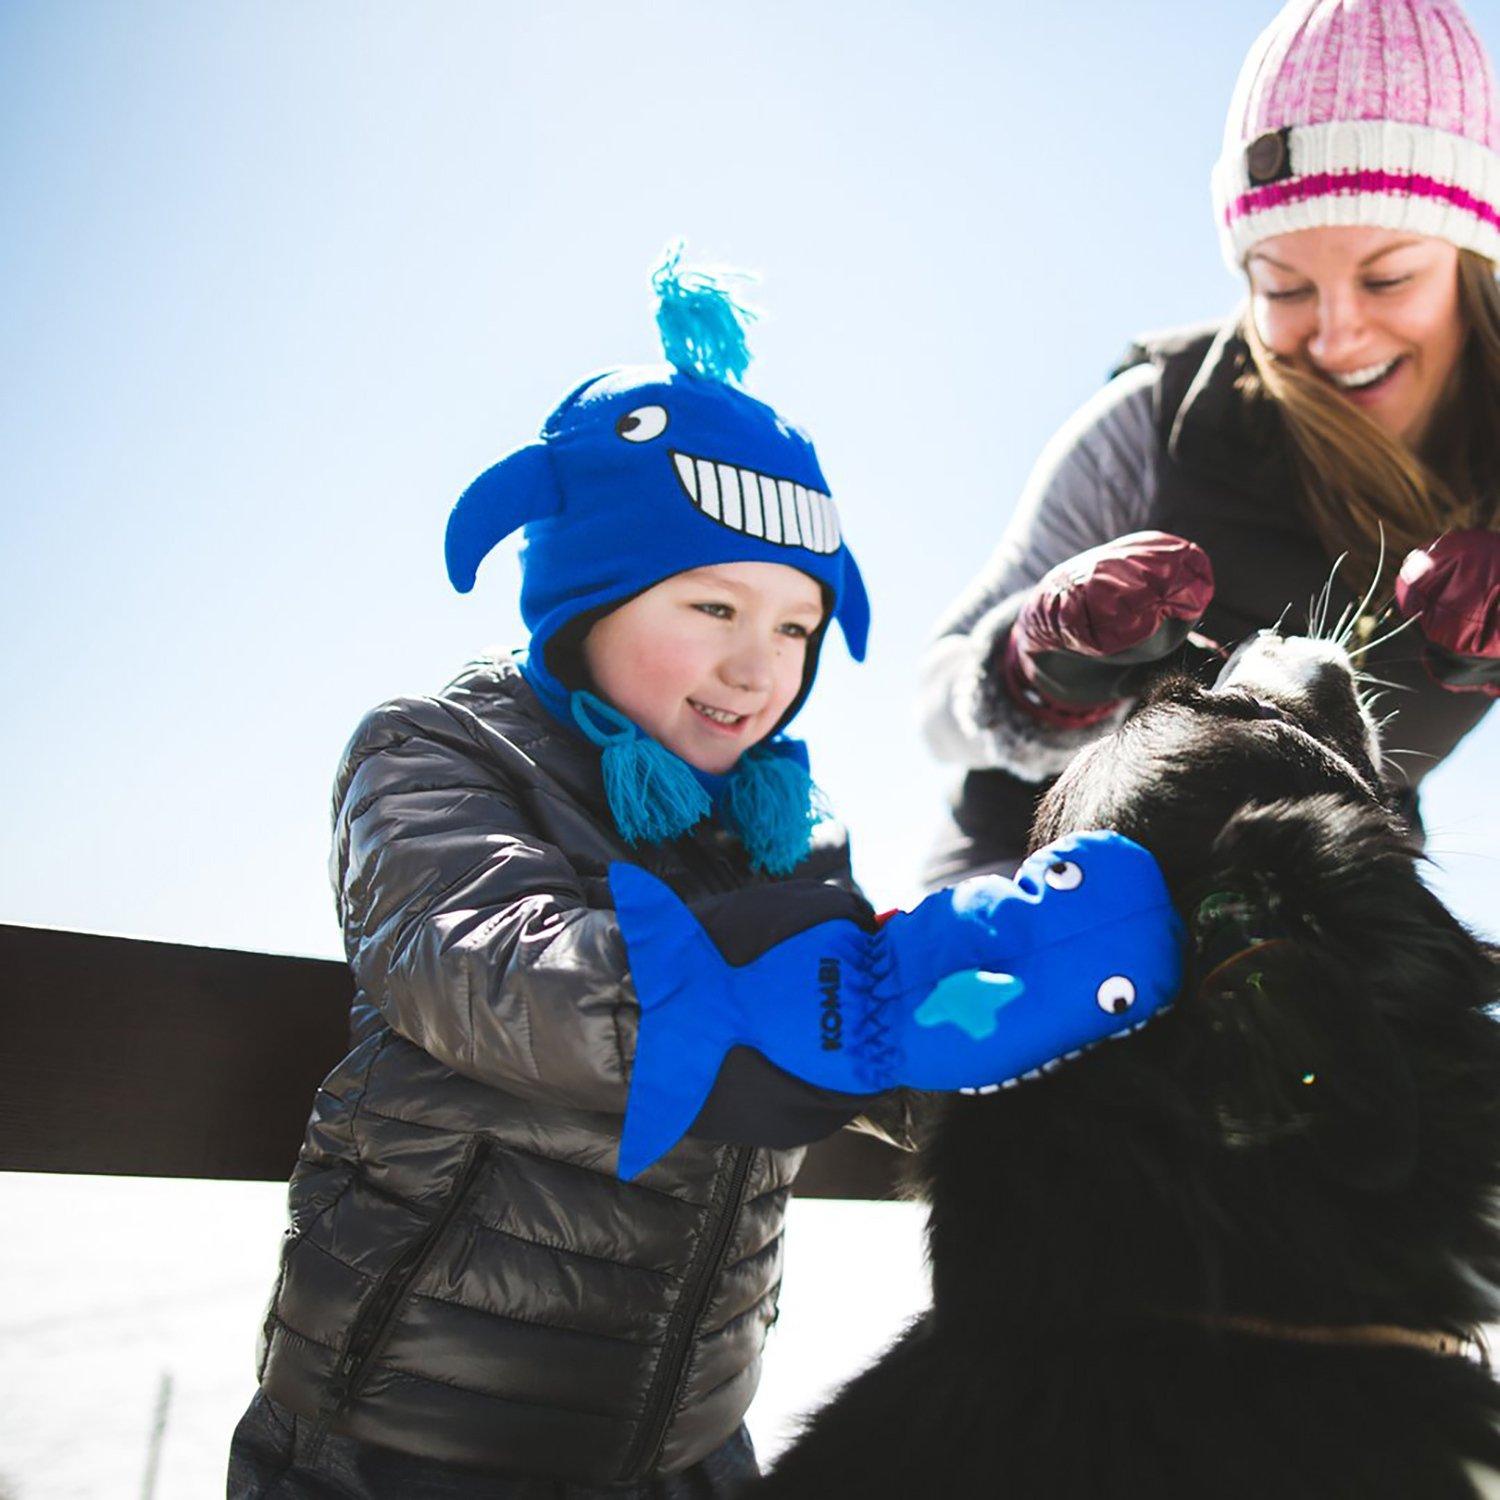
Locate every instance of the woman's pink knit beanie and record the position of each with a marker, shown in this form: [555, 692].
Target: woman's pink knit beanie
[1377, 112]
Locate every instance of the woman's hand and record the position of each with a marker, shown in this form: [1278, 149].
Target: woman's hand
[1081, 640]
[1453, 589]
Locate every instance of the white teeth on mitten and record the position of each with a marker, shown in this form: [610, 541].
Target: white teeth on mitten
[779, 510]
[1047, 1067]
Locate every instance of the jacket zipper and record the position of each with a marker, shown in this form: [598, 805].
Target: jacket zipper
[716, 870]
[373, 1324]
[679, 1340]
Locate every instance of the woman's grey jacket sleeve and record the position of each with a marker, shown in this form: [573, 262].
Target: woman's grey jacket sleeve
[474, 938]
[1092, 483]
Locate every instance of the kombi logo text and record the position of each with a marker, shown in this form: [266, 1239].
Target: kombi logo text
[830, 1011]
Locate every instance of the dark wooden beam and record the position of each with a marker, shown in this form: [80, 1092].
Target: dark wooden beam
[158, 1059]
[122, 1056]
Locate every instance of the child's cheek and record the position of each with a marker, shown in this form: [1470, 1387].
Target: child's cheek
[791, 663]
[673, 667]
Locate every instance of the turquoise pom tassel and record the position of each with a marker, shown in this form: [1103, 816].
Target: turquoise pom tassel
[701, 322]
[772, 804]
[653, 794]
[768, 800]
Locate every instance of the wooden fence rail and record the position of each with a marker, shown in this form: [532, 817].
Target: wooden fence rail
[123, 1056]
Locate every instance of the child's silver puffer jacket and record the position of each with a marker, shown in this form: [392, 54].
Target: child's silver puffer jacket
[465, 1278]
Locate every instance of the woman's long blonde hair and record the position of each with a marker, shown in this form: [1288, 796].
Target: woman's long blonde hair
[1358, 481]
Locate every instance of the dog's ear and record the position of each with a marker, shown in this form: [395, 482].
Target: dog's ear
[1295, 1024]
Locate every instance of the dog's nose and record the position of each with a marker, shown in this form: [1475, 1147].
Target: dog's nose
[1277, 667]
[1310, 681]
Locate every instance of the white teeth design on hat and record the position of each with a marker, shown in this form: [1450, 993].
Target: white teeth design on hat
[803, 509]
[707, 485]
[750, 523]
[729, 492]
[760, 505]
[786, 492]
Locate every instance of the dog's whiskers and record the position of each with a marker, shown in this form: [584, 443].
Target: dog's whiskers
[1369, 597]
[1422, 754]
[1366, 680]
[1436, 849]
[1315, 616]
[1326, 601]
[1380, 640]
[1207, 643]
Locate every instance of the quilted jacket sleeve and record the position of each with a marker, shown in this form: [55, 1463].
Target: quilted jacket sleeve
[474, 938]
[1092, 483]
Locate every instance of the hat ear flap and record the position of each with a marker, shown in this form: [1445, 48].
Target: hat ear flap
[854, 608]
[518, 490]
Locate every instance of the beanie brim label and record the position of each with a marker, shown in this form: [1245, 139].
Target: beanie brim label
[1366, 172]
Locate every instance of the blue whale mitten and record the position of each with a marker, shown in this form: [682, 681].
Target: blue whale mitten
[980, 983]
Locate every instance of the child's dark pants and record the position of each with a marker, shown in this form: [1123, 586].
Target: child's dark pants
[268, 1460]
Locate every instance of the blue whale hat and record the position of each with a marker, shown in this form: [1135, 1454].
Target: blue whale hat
[650, 470]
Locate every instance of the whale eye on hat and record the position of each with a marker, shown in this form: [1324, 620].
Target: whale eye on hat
[643, 424]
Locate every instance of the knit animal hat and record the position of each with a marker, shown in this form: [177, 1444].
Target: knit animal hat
[647, 471]
[1378, 112]
[642, 473]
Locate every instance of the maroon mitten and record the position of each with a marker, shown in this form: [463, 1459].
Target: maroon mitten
[1453, 588]
[1092, 628]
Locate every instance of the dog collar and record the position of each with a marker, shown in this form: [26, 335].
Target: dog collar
[1390, 1335]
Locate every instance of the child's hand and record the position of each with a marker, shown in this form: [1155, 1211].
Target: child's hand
[979, 984]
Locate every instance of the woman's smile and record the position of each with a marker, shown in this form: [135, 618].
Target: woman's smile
[1370, 384]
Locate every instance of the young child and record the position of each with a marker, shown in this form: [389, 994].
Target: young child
[483, 1291]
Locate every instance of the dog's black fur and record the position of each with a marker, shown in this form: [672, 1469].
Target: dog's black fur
[1311, 1137]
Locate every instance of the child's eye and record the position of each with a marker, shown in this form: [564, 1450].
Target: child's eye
[796, 631]
[718, 611]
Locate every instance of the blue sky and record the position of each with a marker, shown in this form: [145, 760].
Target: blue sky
[277, 280]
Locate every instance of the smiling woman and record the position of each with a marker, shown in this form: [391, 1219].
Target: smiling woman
[1350, 414]
[1382, 352]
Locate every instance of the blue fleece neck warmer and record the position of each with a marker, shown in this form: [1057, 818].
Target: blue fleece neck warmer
[651, 470]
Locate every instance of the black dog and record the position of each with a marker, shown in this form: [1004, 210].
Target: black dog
[1238, 1255]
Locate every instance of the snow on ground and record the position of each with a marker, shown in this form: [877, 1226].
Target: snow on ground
[127, 1294]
